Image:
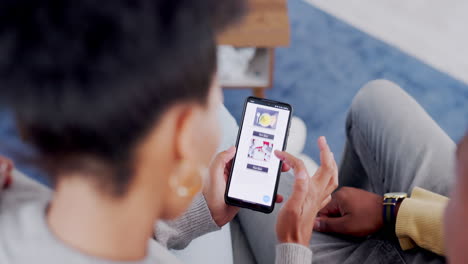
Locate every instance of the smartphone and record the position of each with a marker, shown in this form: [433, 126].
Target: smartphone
[254, 176]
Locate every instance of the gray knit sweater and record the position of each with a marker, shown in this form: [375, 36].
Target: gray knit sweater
[26, 238]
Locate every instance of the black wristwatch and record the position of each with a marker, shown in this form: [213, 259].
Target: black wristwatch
[390, 202]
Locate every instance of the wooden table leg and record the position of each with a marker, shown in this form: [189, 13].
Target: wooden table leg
[259, 92]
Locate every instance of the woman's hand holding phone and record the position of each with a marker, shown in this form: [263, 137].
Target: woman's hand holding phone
[296, 219]
[215, 186]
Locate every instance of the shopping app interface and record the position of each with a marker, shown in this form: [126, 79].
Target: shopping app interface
[256, 167]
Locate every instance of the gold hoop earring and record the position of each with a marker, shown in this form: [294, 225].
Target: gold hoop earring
[192, 187]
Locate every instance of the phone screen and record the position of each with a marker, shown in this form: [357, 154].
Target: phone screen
[256, 169]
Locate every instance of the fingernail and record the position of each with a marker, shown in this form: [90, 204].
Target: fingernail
[279, 154]
[301, 175]
[232, 149]
[324, 139]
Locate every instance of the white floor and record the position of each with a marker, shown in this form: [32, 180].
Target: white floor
[434, 31]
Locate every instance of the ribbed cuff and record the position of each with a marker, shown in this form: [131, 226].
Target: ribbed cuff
[406, 243]
[419, 222]
[196, 222]
[404, 224]
[293, 253]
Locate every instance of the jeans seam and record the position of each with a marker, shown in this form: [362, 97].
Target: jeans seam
[356, 132]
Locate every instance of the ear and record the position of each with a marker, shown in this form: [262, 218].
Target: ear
[184, 171]
[187, 126]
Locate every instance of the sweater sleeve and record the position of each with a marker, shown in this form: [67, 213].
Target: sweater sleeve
[289, 253]
[195, 222]
[420, 221]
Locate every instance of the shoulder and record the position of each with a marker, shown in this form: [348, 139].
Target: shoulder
[23, 189]
[22, 228]
[22, 208]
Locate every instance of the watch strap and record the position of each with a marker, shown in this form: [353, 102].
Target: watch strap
[389, 216]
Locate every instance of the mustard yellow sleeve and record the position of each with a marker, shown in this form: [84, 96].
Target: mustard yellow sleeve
[420, 221]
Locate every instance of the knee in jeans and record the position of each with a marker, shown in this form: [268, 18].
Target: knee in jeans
[377, 93]
[376, 100]
[378, 96]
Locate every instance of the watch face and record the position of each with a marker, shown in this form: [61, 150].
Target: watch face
[396, 195]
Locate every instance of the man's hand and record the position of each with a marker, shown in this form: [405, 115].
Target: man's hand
[215, 187]
[351, 212]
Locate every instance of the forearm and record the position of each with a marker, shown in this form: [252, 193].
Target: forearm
[196, 222]
[420, 220]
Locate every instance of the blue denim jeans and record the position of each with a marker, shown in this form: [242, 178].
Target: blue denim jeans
[392, 145]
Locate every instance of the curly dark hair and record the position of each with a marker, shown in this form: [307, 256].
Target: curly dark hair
[87, 79]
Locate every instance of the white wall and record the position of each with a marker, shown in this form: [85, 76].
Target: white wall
[434, 31]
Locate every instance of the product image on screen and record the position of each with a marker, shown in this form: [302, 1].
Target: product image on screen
[256, 167]
[260, 149]
[266, 118]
